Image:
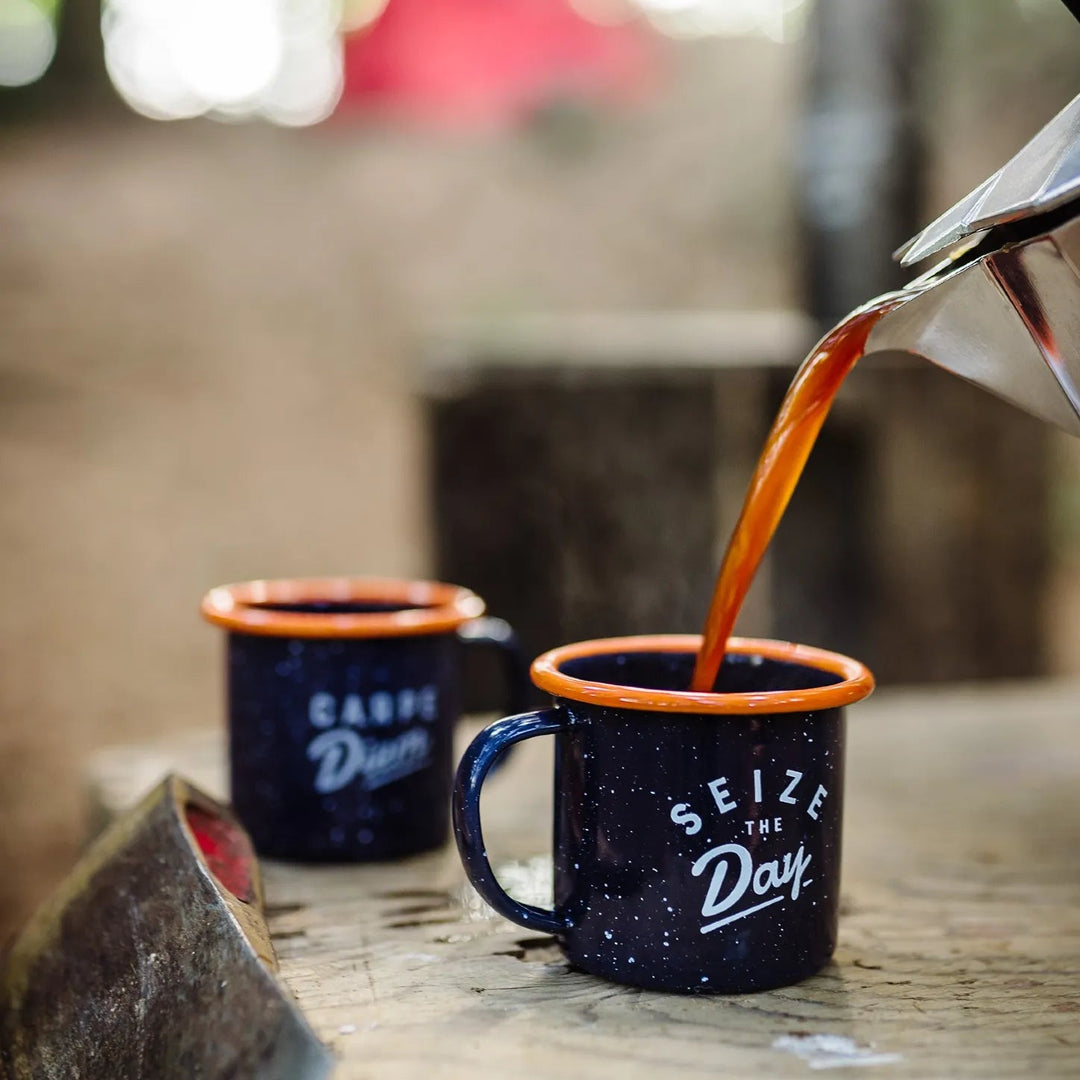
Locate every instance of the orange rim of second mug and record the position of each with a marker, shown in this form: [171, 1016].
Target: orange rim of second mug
[855, 683]
[429, 607]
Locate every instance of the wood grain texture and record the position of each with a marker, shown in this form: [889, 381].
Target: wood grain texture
[959, 946]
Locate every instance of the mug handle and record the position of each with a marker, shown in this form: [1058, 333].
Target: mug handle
[482, 753]
[498, 633]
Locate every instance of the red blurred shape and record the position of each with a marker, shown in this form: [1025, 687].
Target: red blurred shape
[489, 63]
[226, 849]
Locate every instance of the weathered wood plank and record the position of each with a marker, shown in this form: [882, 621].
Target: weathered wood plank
[585, 471]
[959, 946]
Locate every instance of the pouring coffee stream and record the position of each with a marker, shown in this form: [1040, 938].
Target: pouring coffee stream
[792, 437]
[1000, 311]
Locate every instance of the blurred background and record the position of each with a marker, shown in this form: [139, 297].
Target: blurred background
[503, 291]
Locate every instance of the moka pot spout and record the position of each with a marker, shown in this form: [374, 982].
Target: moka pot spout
[1009, 321]
[1003, 309]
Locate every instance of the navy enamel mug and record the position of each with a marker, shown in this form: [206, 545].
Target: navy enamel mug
[697, 835]
[343, 695]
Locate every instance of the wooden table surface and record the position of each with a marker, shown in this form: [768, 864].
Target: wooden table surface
[959, 948]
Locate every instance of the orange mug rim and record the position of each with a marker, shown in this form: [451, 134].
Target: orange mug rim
[856, 681]
[432, 607]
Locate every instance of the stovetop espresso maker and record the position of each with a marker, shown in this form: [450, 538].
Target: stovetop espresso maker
[1003, 309]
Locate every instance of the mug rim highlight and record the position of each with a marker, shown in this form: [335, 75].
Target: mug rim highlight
[856, 681]
[434, 607]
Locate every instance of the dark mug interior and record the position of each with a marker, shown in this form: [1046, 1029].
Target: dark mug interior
[739, 673]
[340, 607]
